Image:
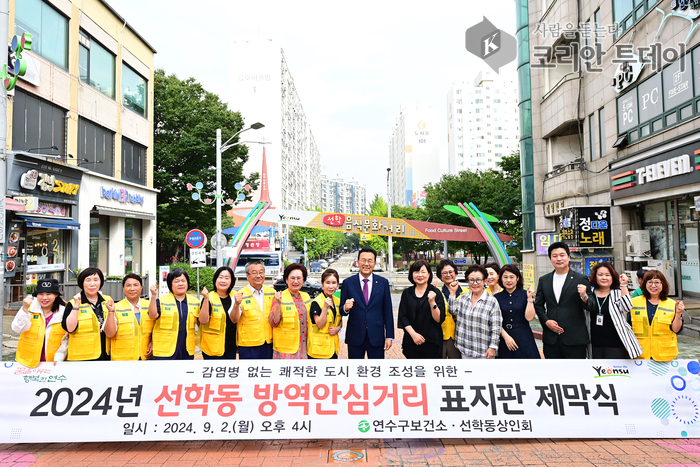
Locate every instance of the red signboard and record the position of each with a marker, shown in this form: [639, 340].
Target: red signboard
[257, 244]
[334, 220]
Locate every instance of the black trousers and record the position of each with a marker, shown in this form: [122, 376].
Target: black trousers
[559, 350]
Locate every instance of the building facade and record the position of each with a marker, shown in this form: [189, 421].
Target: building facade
[262, 89]
[414, 154]
[482, 122]
[338, 195]
[617, 135]
[80, 145]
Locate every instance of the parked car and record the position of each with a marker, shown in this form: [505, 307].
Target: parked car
[311, 286]
[324, 263]
[354, 267]
[315, 266]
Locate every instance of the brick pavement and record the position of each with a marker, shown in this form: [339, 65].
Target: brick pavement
[419, 452]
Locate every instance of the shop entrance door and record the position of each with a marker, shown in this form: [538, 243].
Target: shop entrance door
[690, 258]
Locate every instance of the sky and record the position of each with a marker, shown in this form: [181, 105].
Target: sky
[353, 63]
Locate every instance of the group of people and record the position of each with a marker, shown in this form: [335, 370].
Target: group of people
[580, 317]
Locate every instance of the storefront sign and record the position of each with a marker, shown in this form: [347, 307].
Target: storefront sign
[528, 276]
[651, 103]
[544, 240]
[121, 195]
[552, 209]
[347, 399]
[627, 112]
[10, 72]
[672, 168]
[586, 227]
[30, 203]
[590, 262]
[12, 252]
[30, 176]
[677, 78]
[257, 244]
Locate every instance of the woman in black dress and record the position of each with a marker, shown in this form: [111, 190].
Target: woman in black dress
[517, 309]
[421, 313]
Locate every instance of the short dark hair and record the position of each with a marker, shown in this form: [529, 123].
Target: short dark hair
[416, 266]
[367, 250]
[556, 245]
[476, 268]
[288, 270]
[604, 264]
[218, 272]
[132, 275]
[493, 266]
[514, 270]
[443, 264]
[329, 272]
[655, 274]
[640, 273]
[87, 272]
[174, 274]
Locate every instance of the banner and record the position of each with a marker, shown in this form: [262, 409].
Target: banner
[321, 399]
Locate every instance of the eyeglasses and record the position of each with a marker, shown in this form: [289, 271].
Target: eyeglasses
[476, 281]
[253, 273]
[295, 279]
[447, 273]
[654, 282]
[366, 261]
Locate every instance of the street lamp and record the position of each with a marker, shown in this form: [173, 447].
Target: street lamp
[219, 149]
[390, 259]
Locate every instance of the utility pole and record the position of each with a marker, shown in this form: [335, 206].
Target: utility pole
[4, 32]
[390, 259]
[306, 256]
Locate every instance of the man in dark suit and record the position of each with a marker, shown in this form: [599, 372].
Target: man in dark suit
[367, 300]
[560, 307]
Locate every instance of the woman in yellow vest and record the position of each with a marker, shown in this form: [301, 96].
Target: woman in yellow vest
[494, 272]
[89, 319]
[288, 316]
[656, 319]
[447, 272]
[217, 330]
[175, 316]
[325, 320]
[39, 324]
[133, 338]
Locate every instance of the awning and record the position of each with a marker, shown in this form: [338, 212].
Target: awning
[116, 212]
[49, 223]
[13, 205]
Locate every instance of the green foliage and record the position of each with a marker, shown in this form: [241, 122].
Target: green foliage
[206, 276]
[186, 118]
[323, 240]
[496, 192]
[378, 207]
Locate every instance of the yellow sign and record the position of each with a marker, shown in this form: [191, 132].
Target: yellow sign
[365, 237]
[528, 276]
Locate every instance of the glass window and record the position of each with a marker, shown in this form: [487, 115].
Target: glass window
[133, 162]
[132, 246]
[601, 131]
[134, 91]
[622, 9]
[658, 240]
[95, 147]
[45, 249]
[591, 132]
[37, 124]
[49, 30]
[99, 241]
[96, 65]
[654, 212]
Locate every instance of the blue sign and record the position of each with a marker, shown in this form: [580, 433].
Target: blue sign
[283, 244]
[460, 261]
[590, 262]
[195, 239]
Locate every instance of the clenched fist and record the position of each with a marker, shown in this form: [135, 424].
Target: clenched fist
[154, 290]
[238, 298]
[27, 303]
[349, 303]
[205, 293]
[582, 291]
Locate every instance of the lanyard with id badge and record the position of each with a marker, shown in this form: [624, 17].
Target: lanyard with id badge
[599, 317]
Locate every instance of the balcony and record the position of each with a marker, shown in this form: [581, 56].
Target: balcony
[558, 107]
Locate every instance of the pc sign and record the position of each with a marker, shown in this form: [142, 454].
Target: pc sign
[494, 46]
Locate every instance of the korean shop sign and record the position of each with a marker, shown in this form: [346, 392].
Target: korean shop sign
[586, 227]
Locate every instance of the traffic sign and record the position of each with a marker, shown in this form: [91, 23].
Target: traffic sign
[198, 257]
[460, 261]
[195, 238]
[218, 241]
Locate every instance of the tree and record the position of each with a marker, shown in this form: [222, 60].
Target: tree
[378, 207]
[496, 192]
[186, 118]
[321, 241]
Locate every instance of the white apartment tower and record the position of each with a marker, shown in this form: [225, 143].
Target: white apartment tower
[262, 89]
[482, 122]
[414, 154]
[338, 195]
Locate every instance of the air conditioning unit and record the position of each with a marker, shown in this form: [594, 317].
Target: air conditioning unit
[632, 278]
[637, 243]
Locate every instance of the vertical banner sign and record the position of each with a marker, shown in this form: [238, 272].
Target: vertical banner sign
[586, 227]
[528, 276]
[277, 399]
[163, 272]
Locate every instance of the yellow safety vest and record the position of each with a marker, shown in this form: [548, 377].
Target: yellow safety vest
[213, 334]
[85, 343]
[448, 326]
[253, 327]
[166, 328]
[320, 344]
[285, 336]
[658, 341]
[132, 338]
[31, 341]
